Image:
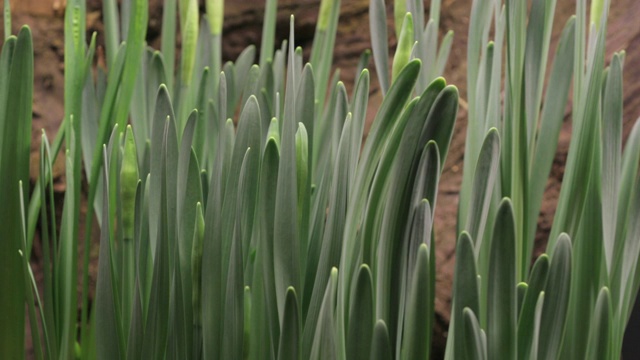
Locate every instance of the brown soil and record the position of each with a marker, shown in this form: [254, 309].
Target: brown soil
[243, 26]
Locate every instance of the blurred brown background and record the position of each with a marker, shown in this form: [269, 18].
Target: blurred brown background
[243, 24]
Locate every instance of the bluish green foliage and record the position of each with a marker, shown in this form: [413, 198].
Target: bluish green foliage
[223, 238]
[573, 303]
[16, 94]
[242, 215]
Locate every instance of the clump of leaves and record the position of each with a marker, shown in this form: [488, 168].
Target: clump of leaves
[236, 193]
[575, 301]
[241, 216]
[16, 93]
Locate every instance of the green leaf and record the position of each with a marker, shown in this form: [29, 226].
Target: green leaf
[419, 232]
[108, 318]
[323, 17]
[550, 123]
[479, 23]
[360, 332]
[535, 341]
[305, 109]
[212, 257]
[289, 347]
[600, 328]
[279, 71]
[399, 12]
[230, 74]
[273, 132]
[535, 60]
[466, 294]
[215, 14]
[163, 110]
[259, 337]
[66, 272]
[245, 73]
[178, 326]
[422, 212]
[251, 83]
[37, 195]
[248, 313]
[48, 235]
[325, 344]
[484, 177]
[528, 316]
[266, 203]
[612, 112]
[189, 32]
[246, 205]
[91, 108]
[168, 38]
[196, 280]
[233, 335]
[474, 338]
[7, 19]
[597, 8]
[380, 344]
[363, 62]
[247, 136]
[203, 144]
[521, 291]
[331, 245]
[323, 46]
[156, 327]
[395, 215]
[226, 193]
[106, 124]
[111, 30]
[425, 49]
[501, 296]
[416, 343]
[286, 236]
[189, 195]
[330, 128]
[267, 43]
[588, 251]
[583, 141]
[128, 187]
[443, 53]
[30, 280]
[144, 256]
[358, 109]
[624, 253]
[552, 322]
[379, 42]
[16, 94]
[136, 329]
[442, 119]
[405, 43]
[302, 175]
[630, 268]
[136, 36]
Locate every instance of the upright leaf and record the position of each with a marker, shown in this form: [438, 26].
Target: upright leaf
[600, 328]
[360, 332]
[289, 348]
[552, 323]
[379, 41]
[16, 93]
[501, 296]
[465, 294]
[416, 343]
[380, 344]
[108, 326]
